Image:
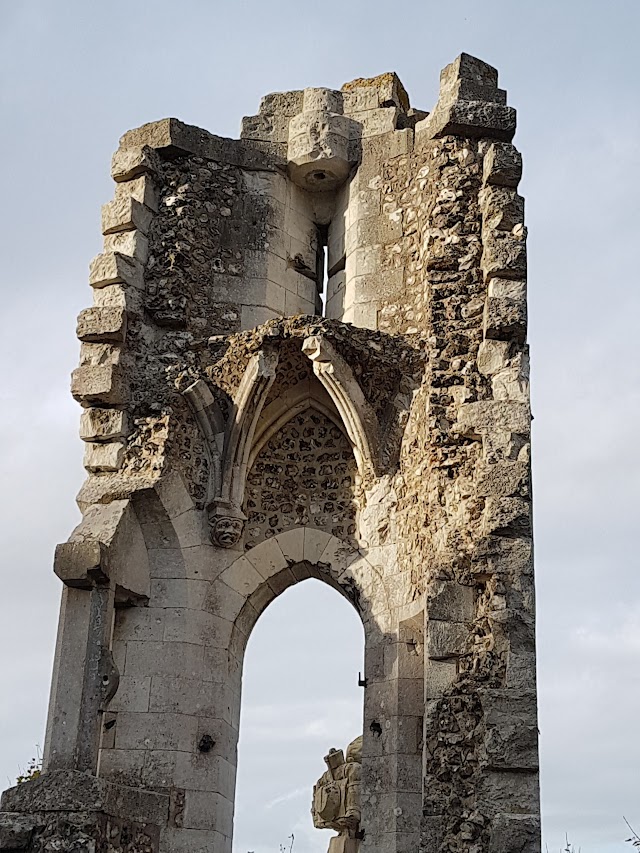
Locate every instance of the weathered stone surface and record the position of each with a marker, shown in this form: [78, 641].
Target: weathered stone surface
[515, 833]
[502, 165]
[470, 118]
[102, 324]
[114, 268]
[505, 319]
[103, 424]
[80, 564]
[72, 791]
[504, 254]
[101, 385]
[15, 831]
[104, 456]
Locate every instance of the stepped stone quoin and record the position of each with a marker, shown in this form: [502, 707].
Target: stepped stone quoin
[306, 358]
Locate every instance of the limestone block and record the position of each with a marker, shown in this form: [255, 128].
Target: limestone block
[519, 832]
[268, 127]
[388, 87]
[242, 576]
[363, 261]
[140, 623]
[205, 772]
[267, 558]
[253, 315]
[504, 288]
[191, 528]
[179, 592]
[115, 296]
[470, 119]
[103, 457]
[291, 543]
[278, 582]
[322, 99]
[125, 214]
[132, 695]
[446, 639]
[506, 555]
[99, 354]
[508, 791]
[102, 324]
[360, 100]
[487, 416]
[493, 356]
[449, 601]
[114, 268]
[521, 669]
[102, 385]
[156, 731]
[129, 163]
[504, 254]
[81, 564]
[468, 78]
[503, 479]
[470, 103]
[511, 384]
[366, 202]
[206, 810]
[223, 601]
[502, 165]
[512, 745]
[338, 554]
[189, 696]
[184, 840]
[502, 208]
[171, 659]
[507, 515]
[505, 319]
[380, 121]
[373, 230]
[283, 103]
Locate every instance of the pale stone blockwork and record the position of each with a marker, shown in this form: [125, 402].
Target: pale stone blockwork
[238, 442]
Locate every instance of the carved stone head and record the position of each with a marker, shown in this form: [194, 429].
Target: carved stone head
[225, 530]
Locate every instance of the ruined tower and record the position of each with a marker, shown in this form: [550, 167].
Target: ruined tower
[305, 358]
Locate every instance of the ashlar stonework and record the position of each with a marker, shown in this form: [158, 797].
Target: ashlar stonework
[305, 358]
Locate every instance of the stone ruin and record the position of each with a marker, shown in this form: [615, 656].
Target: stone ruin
[306, 358]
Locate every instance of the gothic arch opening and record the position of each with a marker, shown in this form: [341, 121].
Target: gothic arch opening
[300, 697]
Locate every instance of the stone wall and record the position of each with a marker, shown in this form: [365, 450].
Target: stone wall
[238, 443]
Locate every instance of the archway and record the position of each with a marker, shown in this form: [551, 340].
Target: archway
[300, 697]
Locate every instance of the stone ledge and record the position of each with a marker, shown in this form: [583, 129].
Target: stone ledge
[475, 119]
[73, 791]
[173, 138]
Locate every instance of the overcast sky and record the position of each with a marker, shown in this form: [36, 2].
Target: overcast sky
[74, 76]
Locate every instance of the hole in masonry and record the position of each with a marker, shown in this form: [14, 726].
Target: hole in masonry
[319, 176]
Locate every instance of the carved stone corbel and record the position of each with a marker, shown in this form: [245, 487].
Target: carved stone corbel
[226, 524]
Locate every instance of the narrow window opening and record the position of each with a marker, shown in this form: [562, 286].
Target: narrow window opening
[325, 279]
[323, 266]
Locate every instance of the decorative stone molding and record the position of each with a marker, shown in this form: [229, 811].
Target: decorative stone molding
[358, 417]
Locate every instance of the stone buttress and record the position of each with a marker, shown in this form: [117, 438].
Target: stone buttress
[305, 358]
